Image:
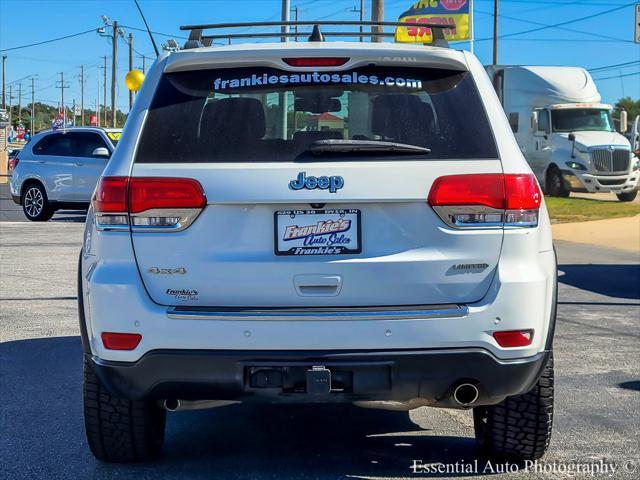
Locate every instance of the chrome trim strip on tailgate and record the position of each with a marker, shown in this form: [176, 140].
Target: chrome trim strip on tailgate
[417, 312]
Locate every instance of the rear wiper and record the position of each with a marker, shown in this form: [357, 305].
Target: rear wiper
[372, 146]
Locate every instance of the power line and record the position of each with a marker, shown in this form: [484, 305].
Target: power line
[574, 30]
[617, 76]
[560, 24]
[616, 65]
[48, 41]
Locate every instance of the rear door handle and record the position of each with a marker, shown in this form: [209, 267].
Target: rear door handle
[317, 285]
[79, 164]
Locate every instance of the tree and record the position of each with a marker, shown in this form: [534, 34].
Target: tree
[631, 106]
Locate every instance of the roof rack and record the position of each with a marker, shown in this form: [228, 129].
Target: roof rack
[197, 39]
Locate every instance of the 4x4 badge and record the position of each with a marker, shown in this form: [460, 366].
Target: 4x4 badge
[168, 271]
[333, 183]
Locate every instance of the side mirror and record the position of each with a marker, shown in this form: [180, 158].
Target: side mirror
[572, 138]
[534, 121]
[623, 121]
[101, 152]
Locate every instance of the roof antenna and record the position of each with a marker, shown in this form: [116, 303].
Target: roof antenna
[316, 35]
[153, 42]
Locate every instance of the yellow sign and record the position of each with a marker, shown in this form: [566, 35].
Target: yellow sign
[114, 135]
[454, 13]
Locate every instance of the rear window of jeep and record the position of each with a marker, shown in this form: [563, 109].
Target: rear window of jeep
[270, 115]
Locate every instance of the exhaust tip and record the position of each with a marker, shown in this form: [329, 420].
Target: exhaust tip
[172, 404]
[466, 394]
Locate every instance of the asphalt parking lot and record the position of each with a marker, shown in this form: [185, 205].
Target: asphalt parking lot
[41, 427]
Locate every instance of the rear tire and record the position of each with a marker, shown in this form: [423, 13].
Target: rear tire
[35, 204]
[555, 183]
[627, 196]
[120, 430]
[520, 427]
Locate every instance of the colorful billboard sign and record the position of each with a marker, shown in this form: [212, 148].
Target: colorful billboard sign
[455, 13]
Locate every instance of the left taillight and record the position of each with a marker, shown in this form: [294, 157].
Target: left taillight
[486, 200]
[148, 203]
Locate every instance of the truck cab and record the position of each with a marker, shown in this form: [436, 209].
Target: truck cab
[565, 133]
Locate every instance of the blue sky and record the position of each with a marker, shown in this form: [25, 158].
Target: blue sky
[24, 22]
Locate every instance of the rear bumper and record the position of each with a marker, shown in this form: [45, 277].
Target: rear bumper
[398, 375]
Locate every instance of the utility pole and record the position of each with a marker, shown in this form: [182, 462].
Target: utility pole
[64, 110]
[33, 105]
[361, 11]
[295, 12]
[114, 68]
[10, 107]
[144, 63]
[82, 95]
[98, 99]
[4, 81]
[73, 112]
[130, 67]
[282, 97]
[377, 15]
[19, 103]
[104, 87]
[495, 32]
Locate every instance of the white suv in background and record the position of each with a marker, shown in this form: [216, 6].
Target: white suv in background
[317, 222]
[59, 169]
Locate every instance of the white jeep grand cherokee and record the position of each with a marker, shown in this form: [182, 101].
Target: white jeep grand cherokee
[317, 222]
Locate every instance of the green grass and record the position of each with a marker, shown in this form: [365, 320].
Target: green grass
[567, 210]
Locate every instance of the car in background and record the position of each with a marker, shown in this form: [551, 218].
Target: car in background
[59, 169]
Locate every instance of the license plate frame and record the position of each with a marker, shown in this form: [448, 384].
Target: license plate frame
[319, 249]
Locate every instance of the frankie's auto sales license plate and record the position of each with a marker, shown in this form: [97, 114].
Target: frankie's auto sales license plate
[317, 232]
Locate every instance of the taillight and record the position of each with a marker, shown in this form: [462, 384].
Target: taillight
[316, 61]
[110, 202]
[120, 341]
[13, 163]
[148, 203]
[513, 338]
[486, 200]
[164, 203]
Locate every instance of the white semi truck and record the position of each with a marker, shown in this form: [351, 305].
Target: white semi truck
[565, 133]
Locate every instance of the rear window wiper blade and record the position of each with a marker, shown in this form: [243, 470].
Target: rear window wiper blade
[365, 146]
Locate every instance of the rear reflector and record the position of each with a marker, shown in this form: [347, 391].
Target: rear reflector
[487, 199]
[514, 338]
[120, 341]
[316, 61]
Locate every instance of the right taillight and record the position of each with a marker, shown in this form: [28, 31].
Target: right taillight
[13, 163]
[486, 200]
[148, 203]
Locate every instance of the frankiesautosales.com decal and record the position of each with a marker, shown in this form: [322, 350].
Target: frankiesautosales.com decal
[316, 78]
